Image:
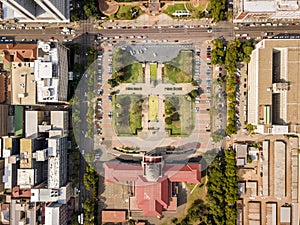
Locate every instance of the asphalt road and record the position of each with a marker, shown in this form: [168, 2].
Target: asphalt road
[224, 29]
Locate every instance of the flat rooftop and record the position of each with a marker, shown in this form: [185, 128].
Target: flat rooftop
[24, 88]
[279, 169]
[274, 82]
[26, 145]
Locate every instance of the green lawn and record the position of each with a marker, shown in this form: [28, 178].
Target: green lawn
[172, 8]
[184, 61]
[175, 75]
[182, 105]
[153, 72]
[180, 69]
[130, 74]
[153, 108]
[127, 114]
[127, 12]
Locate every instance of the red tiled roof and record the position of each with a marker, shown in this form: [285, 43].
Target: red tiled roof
[126, 172]
[190, 173]
[152, 197]
[20, 51]
[113, 216]
[17, 192]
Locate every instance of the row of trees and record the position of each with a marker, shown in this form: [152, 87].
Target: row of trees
[74, 159]
[90, 205]
[90, 212]
[236, 52]
[222, 189]
[90, 180]
[231, 54]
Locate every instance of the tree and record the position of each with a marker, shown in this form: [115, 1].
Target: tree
[90, 178]
[75, 16]
[168, 120]
[193, 94]
[175, 116]
[247, 59]
[90, 212]
[112, 82]
[194, 83]
[250, 128]
[248, 50]
[217, 136]
[218, 43]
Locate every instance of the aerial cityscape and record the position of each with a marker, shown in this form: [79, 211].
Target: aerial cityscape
[155, 112]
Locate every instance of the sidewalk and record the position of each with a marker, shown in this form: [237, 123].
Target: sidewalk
[160, 20]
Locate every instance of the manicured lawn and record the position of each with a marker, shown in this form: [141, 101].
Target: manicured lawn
[127, 114]
[131, 74]
[125, 65]
[153, 72]
[175, 75]
[127, 12]
[183, 106]
[153, 108]
[135, 73]
[172, 8]
[180, 69]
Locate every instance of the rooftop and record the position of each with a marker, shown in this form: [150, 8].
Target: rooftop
[24, 84]
[113, 216]
[274, 63]
[26, 149]
[26, 178]
[18, 52]
[152, 195]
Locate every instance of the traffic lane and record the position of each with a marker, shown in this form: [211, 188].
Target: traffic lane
[269, 28]
[176, 33]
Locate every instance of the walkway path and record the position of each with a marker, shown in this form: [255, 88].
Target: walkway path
[162, 89]
[147, 74]
[159, 72]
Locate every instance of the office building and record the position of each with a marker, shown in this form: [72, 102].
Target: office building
[36, 10]
[51, 72]
[273, 86]
[261, 11]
